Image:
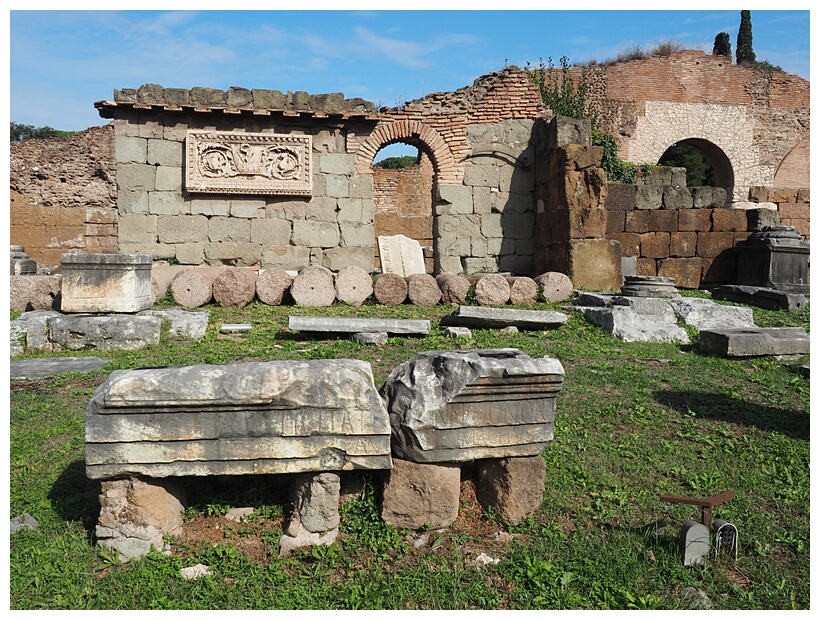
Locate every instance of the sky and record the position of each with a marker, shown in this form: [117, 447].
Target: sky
[61, 62]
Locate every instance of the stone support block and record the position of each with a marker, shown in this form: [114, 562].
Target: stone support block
[513, 486]
[106, 282]
[136, 514]
[417, 495]
[104, 333]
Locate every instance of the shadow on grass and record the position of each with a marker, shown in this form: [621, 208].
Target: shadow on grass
[712, 406]
[75, 497]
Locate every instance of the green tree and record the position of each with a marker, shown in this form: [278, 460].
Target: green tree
[404, 161]
[723, 46]
[699, 172]
[18, 132]
[745, 54]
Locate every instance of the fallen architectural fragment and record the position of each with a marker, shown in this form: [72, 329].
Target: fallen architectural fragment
[246, 418]
[754, 341]
[341, 325]
[759, 296]
[456, 406]
[495, 318]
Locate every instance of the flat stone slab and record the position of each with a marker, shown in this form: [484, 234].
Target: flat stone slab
[495, 318]
[233, 419]
[761, 297]
[358, 326]
[183, 323]
[630, 325]
[753, 342]
[456, 406]
[105, 333]
[706, 314]
[38, 368]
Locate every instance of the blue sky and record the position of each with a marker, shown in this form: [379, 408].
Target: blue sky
[61, 62]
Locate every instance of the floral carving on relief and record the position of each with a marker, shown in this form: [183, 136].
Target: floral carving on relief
[230, 162]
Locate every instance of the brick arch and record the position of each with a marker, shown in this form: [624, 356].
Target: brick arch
[730, 129]
[414, 133]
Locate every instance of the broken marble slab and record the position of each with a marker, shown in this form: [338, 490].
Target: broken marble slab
[103, 332]
[456, 406]
[769, 298]
[754, 341]
[342, 325]
[183, 323]
[638, 319]
[483, 317]
[46, 367]
[706, 314]
[242, 418]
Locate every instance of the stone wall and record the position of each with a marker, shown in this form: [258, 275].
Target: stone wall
[332, 227]
[478, 140]
[756, 118]
[63, 195]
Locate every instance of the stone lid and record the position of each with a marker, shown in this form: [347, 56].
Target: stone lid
[236, 100]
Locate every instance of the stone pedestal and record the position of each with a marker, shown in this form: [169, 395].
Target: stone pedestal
[21, 264]
[314, 519]
[106, 282]
[649, 286]
[774, 257]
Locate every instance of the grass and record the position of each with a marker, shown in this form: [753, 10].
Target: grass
[634, 420]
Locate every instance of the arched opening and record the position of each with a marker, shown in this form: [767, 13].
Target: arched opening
[706, 164]
[403, 188]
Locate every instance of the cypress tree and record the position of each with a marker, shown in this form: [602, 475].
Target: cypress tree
[723, 46]
[744, 54]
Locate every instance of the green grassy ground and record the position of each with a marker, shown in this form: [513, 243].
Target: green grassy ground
[634, 420]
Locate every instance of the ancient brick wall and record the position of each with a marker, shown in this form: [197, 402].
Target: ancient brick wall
[403, 203]
[757, 118]
[63, 195]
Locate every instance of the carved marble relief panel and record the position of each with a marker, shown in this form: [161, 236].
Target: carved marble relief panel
[248, 163]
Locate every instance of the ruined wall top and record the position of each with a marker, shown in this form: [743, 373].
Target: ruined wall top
[235, 100]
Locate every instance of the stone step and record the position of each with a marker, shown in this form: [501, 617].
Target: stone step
[358, 326]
